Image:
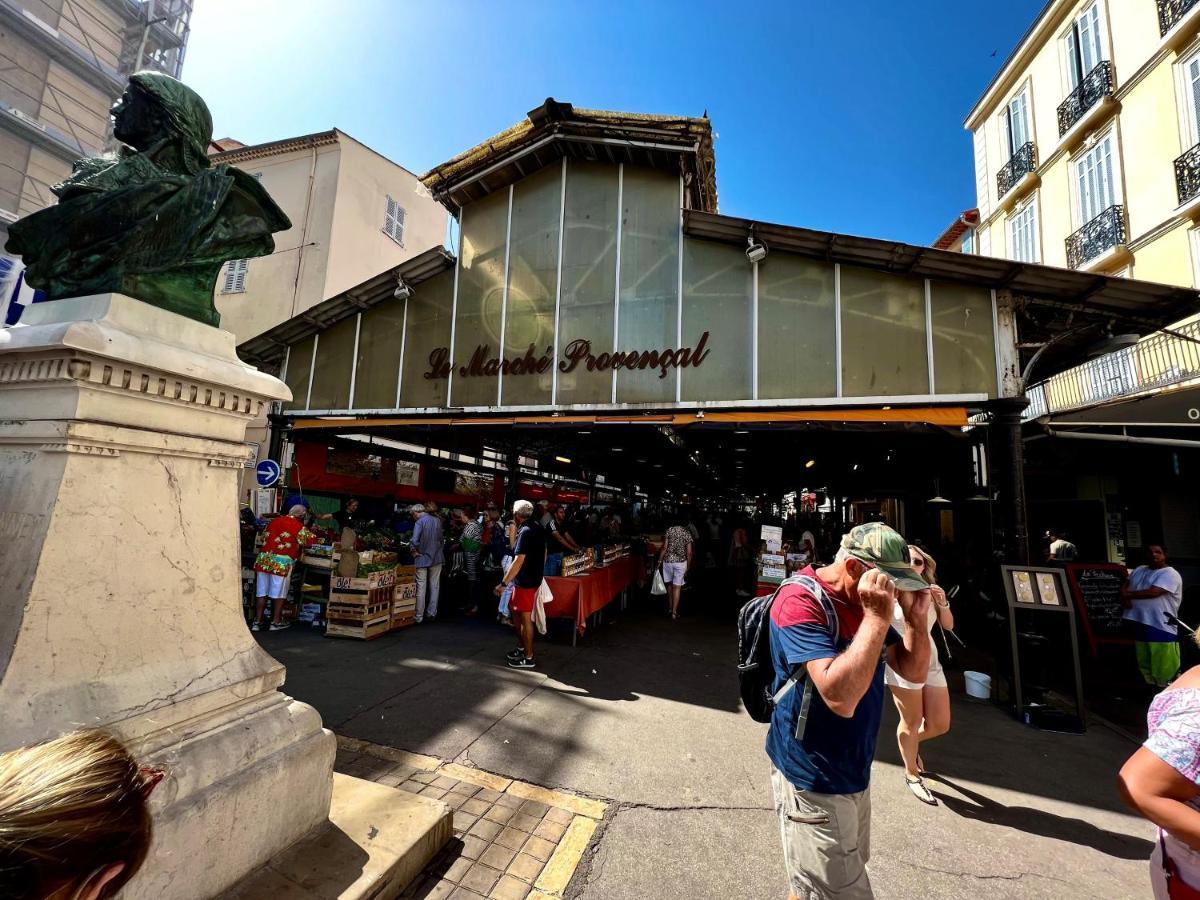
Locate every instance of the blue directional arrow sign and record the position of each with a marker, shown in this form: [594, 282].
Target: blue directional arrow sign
[268, 472]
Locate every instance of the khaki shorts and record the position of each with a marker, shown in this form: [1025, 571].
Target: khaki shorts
[826, 841]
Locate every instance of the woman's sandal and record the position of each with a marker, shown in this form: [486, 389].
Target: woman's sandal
[917, 786]
[921, 770]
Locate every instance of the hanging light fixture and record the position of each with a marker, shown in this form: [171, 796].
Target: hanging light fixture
[937, 499]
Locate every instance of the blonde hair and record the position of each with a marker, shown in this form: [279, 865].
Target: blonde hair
[930, 574]
[69, 809]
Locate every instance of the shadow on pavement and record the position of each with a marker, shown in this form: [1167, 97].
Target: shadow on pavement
[1039, 822]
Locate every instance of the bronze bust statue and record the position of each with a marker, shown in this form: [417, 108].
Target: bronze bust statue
[155, 220]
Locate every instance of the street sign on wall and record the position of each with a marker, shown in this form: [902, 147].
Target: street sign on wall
[267, 473]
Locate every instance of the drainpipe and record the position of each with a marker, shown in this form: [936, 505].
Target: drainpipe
[312, 177]
[1123, 438]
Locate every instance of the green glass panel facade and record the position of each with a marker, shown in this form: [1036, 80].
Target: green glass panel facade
[964, 344]
[335, 359]
[884, 351]
[797, 331]
[589, 276]
[717, 302]
[427, 341]
[379, 341]
[532, 288]
[480, 300]
[299, 365]
[648, 307]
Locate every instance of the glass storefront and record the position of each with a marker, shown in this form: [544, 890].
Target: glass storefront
[645, 315]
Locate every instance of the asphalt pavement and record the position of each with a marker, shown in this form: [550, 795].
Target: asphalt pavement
[644, 713]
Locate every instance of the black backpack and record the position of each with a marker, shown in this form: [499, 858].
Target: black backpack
[756, 667]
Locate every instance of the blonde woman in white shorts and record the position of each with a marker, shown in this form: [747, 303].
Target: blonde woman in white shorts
[924, 707]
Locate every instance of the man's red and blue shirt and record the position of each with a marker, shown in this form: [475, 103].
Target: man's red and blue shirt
[835, 754]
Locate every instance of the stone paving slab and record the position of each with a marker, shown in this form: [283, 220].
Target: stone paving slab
[512, 840]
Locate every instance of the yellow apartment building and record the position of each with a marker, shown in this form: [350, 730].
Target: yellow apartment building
[1087, 142]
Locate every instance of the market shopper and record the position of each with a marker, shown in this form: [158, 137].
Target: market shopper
[1061, 549]
[1161, 781]
[1149, 594]
[471, 541]
[821, 778]
[923, 703]
[429, 555]
[286, 536]
[675, 559]
[524, 573]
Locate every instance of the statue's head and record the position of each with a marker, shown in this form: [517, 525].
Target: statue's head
[155, 107]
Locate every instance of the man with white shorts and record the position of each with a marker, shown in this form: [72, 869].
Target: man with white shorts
[285, 537]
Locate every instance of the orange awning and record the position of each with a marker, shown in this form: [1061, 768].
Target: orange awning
[948, 416]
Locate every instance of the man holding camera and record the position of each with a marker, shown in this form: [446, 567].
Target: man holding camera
[822, 741]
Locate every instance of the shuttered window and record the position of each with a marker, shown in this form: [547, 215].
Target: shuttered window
[235, 276]
[1094, 180]
[1085, 48]
[393, 221]
[1022, 234]
[1016, 122]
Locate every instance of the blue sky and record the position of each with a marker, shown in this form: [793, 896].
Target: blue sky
[845, 116]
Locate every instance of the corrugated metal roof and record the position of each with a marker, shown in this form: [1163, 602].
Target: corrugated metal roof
[557, 129]
[268, 349]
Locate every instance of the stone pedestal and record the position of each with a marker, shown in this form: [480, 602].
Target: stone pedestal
[121, 447]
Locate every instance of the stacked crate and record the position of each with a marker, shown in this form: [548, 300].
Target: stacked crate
[404, 597]
[361, 608]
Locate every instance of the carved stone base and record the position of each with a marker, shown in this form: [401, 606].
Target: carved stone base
[121, 449]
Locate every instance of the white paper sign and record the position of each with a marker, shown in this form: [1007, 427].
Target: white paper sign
[773, 535]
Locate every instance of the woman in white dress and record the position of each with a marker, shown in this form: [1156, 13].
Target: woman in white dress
[924, 706]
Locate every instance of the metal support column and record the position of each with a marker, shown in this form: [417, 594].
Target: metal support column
[1009, 461]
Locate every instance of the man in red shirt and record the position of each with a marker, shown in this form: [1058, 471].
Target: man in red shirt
[285, 537]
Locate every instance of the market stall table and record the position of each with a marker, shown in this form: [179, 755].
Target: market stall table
[578, 596]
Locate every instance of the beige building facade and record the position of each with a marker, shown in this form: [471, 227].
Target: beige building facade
[354, 214]
[1087, 142]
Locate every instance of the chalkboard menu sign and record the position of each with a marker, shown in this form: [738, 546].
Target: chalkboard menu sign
[1096, 588]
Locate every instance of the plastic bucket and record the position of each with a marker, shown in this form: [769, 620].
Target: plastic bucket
[979, 685]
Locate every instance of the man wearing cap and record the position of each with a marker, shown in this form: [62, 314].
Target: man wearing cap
[821, 779]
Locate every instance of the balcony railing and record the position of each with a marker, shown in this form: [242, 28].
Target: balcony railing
[1022, 163]
[1158, 361]
[1171, 11]
[1187, 175]
[1097, 84]
[1105, 231]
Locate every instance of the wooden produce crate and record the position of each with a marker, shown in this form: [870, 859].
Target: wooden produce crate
[403, 619]
[362, 631]
[374, 588]
[353, 612]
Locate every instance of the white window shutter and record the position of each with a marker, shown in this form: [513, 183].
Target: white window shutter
[389, 218]
[985, 241]
[235, 276]
[982, 178]
[400, 217]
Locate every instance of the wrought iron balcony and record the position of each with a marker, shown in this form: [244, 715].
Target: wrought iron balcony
[1105, 231]
[1187, 175]
[1022, 163]
[1159, 361]
[1171, 11]
[1097, 84]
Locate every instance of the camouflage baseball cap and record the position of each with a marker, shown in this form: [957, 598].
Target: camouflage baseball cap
[884, 548]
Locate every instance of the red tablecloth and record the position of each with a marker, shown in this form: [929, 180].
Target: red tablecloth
[578, 596]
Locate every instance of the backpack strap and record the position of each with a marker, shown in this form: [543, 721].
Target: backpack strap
[800, 673]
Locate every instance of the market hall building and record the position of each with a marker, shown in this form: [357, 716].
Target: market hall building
[601, 333]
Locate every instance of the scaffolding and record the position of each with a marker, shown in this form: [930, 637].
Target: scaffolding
[157, 36]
